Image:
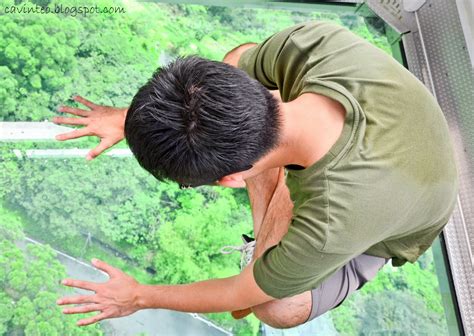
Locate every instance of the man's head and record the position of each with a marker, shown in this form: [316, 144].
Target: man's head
[196, 121]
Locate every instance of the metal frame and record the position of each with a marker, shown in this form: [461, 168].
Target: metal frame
[440, 254]
[332, 6]
[446, 287]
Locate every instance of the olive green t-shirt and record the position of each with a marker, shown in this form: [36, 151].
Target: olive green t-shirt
[388, 185]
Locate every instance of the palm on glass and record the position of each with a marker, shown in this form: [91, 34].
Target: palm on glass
[115, 298]
[105, 122]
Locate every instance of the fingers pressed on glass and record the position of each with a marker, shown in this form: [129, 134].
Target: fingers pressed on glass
[77, 300]
[92, 319]
[98, 150]
[73, 110]
[70, 121]
[85, 102]
[110, 270]
[80, 284]
[82, 309]
[74, 134]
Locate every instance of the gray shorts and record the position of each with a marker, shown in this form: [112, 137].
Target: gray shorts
[351, 277]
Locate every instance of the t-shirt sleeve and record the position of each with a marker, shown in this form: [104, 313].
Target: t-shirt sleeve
[311, 57]
[298, 263]
[262, 60]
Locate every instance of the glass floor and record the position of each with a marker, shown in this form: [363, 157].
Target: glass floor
[58, 211]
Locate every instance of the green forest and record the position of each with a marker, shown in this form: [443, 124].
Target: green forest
[110, 208]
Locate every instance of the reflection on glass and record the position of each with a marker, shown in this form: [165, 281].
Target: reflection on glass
[111, 209]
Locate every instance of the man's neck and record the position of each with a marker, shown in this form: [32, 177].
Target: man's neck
[311, 125]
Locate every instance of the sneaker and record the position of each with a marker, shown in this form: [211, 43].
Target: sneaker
[246, 249]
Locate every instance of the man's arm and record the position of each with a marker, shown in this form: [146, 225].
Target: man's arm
[233, 56]
[209, 296]
[122, 295]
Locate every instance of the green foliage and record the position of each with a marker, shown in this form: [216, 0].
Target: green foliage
[29, 287]
[46, 58]
[11, 228]
[9, 174]
[398, 313]
[36, 59]
[422, 286]
[156, 225]
[422, 283]
[6, 312]
[53, 192]
[193, 236]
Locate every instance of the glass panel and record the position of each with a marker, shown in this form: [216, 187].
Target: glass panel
[400, 300]
[57, 213]
[47, 58]
[113, 210]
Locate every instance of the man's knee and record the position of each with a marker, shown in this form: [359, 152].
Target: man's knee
[285, 313]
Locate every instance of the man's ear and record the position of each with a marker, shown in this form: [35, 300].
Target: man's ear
[232, 181]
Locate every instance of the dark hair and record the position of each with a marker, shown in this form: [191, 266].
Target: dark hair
[197, 120]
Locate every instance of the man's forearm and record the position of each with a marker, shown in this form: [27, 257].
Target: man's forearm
[216, 295]
[208, 296]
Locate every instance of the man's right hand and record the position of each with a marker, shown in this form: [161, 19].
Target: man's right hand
[105, 122]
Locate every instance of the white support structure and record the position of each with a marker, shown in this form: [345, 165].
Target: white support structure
[67, 153]
[32, 131]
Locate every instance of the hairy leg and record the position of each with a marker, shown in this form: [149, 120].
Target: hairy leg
[271, 208]
[272, 212]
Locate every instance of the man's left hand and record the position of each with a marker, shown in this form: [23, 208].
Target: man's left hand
[114, 298]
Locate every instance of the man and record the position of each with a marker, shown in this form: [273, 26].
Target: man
[346, 157]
